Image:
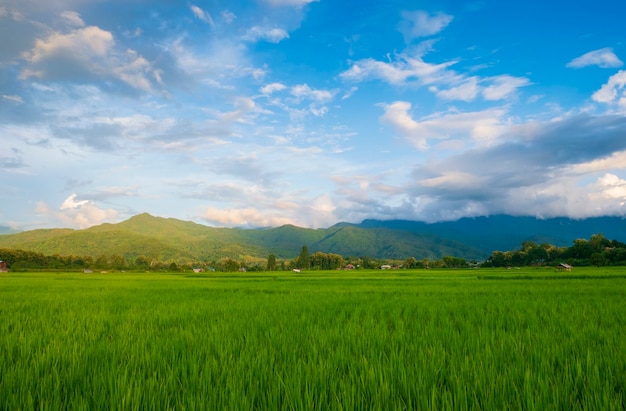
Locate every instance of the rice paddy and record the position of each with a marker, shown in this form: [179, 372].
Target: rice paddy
[368, 340]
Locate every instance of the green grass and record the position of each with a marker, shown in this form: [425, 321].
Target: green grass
[423, 339]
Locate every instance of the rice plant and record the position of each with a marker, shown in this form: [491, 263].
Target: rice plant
[325, 340]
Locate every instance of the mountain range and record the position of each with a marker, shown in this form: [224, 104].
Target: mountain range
[168, 238]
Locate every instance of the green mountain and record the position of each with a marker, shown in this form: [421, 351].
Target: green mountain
[168, 238]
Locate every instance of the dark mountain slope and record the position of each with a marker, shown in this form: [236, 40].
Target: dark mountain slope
[503, 232]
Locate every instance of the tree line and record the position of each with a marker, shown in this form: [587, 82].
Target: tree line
[598, 251]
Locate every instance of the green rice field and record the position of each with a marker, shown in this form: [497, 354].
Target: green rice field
[486, 339]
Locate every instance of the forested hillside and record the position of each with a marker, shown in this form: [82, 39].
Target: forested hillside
[150, 238]
[166, 238]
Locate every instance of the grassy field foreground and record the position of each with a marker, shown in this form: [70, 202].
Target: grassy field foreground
[424, 339]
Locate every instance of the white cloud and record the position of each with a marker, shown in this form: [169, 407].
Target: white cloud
[349, 93]
[85, 42]
[202, 15]
[466, 91]
[291, 3]
[71, 203]
[244, 106]
[610, 186]
[444, 82]
[73, 18]
[454, 180]
[567, 196]
[556, 178]
[272, 88]
[77, 213]
[604, 58]
[14, 99]
[613, 91]
[503, 86]
[303, 91]
[420, 23]
[243, 217]
[87, 54]
[398, 72]
[614, 161]
[269, 34]
[483, 127]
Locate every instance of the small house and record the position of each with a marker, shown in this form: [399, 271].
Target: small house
[564, 266]
[3, 267]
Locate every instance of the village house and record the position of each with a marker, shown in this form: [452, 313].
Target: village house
[564, 266]
[3, 267]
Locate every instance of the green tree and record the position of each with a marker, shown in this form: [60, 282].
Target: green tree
[409, 263]
[454, 262]
[142, 261]
[303, 260]
[599, 242]
[271, 262]
[231, 265]
[597, 259]
[102, 261]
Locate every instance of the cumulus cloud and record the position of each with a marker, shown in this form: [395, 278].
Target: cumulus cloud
[304, 91]
[87, 54]
[482, 127]
[86, 42]
[77, 213]
[541, 169]
[604, 58]
[420, 23]
[303, 212]
[613, 91]
[610, 187]
[244, 217]
[272, 88]
[269, 34]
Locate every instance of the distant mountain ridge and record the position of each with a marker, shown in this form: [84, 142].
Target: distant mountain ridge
[503, 232]
[7, 230]
[169, 238]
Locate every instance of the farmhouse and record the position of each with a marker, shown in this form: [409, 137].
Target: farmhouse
[564, 266]
[3, 267]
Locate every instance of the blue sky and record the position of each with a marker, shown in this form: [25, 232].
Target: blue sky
[268, 112]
